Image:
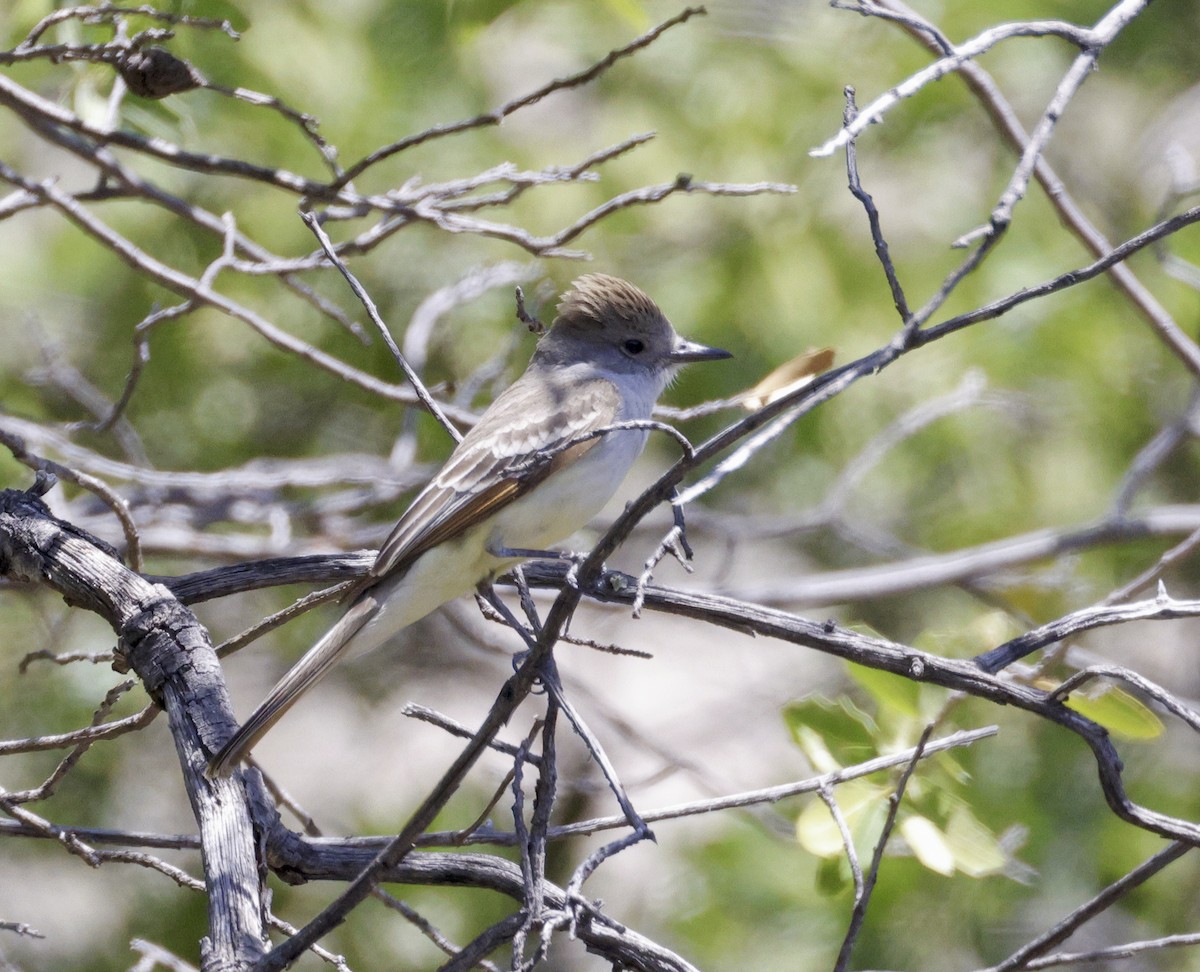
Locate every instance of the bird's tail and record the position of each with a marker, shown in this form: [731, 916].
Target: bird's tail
[309, 670]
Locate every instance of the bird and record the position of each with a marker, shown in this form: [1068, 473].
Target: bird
[542, 460]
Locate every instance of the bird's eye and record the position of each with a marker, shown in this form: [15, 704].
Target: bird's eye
[634, 346]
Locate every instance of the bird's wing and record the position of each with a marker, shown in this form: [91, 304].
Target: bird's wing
[524, 437]
[520, 440]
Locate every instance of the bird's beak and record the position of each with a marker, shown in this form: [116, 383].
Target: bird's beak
[685, 351]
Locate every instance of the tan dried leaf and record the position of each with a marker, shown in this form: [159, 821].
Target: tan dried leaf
[789, 376]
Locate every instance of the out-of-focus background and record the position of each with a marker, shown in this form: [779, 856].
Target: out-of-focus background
[1028, 423]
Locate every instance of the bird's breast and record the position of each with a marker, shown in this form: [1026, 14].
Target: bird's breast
[566, 500]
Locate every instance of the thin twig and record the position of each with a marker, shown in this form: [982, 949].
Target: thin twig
[1009, 125]
[873, 218]
[1099, 904]
[1162, 607]
[311, 221]
[839, 819]
[863, 898]
[497, 115]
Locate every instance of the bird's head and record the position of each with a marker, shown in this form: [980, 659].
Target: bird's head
[616, 324]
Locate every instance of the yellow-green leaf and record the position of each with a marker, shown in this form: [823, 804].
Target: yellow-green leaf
[1118, 711]
[860, 804]
[927, 843]
[892, 691]
[976, 850]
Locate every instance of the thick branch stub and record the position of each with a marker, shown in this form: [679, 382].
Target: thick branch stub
[172, 653]
[30, 562]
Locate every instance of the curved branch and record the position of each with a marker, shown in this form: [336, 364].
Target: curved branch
[170, 651]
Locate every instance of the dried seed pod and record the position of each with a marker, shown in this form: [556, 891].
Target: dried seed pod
[154, 72]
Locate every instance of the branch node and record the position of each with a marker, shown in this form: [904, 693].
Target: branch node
[532, 321]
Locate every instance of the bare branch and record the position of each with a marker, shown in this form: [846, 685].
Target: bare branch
[1114, 892]
[862, 897]
[499, 114]
[1083, 38]
[1160, 608]
[360, 292]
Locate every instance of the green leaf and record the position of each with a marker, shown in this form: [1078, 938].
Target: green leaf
[890, 691]
[832, 733]
[833, 876]
[634, 13]
[1118, 711]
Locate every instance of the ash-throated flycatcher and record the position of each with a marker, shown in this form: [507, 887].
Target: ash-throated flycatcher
[524, 477]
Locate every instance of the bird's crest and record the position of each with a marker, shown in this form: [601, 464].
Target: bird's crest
[597, 297]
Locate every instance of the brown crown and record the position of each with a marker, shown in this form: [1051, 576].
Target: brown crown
[598, 296]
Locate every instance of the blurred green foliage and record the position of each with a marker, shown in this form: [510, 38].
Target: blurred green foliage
[1076, 384]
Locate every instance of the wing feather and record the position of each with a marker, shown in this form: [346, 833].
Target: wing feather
[492, 466]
